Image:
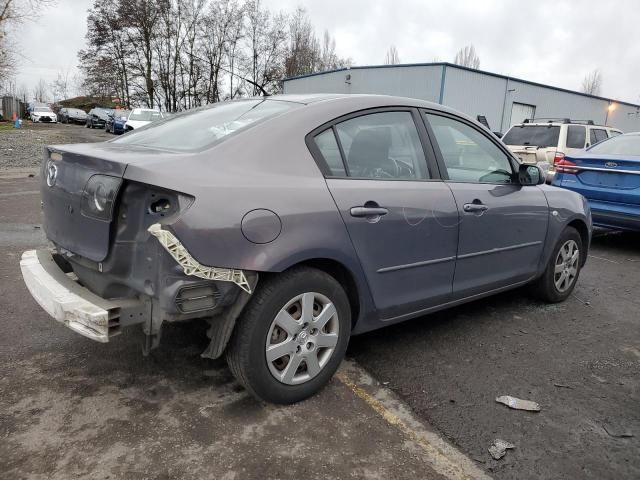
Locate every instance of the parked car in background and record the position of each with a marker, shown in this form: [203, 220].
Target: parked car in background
[116, 121]
[290, 223]
[43, 114]
[546, 141]
[139, 117]
[97, 117]
[608, 175]
[72, 115]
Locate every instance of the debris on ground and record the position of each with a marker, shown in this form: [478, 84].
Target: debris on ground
[612, 432]
[499, 448]
[518, 404]
[562, 385]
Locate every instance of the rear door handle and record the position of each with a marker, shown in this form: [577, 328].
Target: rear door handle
[474, 207]
[368, 211]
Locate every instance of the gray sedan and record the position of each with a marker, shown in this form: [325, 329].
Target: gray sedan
[290, 223]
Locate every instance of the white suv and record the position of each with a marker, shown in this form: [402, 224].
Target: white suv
[546, 141]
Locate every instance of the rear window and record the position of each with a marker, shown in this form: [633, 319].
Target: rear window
[199, 128]
[534, 135]
[619, 145]
[576, 136]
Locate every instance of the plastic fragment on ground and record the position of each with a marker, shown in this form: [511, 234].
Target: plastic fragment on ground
[518, 404]
[499, 448]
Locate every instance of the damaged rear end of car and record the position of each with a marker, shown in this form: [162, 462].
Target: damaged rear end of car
[113, 259]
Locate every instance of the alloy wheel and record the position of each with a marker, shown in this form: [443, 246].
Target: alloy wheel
[566, 265]
[302, 338]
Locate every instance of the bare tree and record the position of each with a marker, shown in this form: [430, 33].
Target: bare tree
[60, 86]
[266, 39]
[40, 93]
[392, 57]
[466, 57]
[592, 83]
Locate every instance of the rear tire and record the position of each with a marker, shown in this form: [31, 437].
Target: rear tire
[562, 272]
[284, 313]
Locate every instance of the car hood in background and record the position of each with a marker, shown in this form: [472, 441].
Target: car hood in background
[138, 123]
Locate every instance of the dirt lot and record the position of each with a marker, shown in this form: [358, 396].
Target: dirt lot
[70, 408]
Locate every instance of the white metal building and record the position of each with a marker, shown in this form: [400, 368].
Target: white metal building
[503, 100]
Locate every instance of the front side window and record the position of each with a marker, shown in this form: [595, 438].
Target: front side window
[383, 146]
[542, 136]
[576, 136]
[597, 135]
[200, 128]
[468, 154]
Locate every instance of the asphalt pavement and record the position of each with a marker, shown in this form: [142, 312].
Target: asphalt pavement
[71, 408]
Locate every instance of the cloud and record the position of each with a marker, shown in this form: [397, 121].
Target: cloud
[556, 42]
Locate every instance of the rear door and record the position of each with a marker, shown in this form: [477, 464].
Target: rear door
[533, 143]
[401, 218]
[502, 223]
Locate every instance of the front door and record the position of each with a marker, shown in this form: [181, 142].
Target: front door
[403, 224]
[502, 223]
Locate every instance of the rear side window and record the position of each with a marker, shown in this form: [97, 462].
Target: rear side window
[383, 146]
[576, 136]
[597, 135]
[328, 146]
[535, 135]
[614, 133]
[199, 128]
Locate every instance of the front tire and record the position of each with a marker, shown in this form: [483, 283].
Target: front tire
[562, 272]
[291, 337]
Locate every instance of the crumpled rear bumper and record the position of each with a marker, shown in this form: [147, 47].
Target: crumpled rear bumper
[62, 297]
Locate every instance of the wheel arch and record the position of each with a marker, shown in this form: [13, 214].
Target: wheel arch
[343, 275]
[583, 230]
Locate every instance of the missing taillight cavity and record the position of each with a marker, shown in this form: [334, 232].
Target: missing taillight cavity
[160, 206]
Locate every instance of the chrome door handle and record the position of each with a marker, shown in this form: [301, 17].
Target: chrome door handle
[474, 207]
[368, 211]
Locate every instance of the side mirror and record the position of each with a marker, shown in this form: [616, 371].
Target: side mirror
[530, 175]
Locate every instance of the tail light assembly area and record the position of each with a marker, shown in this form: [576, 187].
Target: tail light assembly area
[99, 196]
[563, 165]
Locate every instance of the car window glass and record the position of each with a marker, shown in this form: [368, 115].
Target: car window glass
[201, 127]
[383, 145]
[468, 154]
[576, 136]
[328, 146]
[619, 145]
[597, 135]
[542, 136]
[614, 133]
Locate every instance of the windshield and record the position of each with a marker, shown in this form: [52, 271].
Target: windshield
[42, 110]
[618, 145]
[199, 128]
[123, 114]
[535, 135]
[76, 111]
[145, 115]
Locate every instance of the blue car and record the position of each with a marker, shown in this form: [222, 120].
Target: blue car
[608, 175]
[116, 121]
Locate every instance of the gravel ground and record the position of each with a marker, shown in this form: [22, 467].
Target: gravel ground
[22, 148]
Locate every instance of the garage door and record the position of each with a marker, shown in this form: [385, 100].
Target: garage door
[521, 111]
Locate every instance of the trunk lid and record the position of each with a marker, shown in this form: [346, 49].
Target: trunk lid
[610, 178]
[65, 172]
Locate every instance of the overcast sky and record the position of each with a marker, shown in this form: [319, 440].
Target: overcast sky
[554, 42]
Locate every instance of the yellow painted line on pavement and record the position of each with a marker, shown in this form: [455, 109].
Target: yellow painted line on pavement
[441, 456]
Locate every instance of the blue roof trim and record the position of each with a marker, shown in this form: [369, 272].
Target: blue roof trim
[452, 65]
